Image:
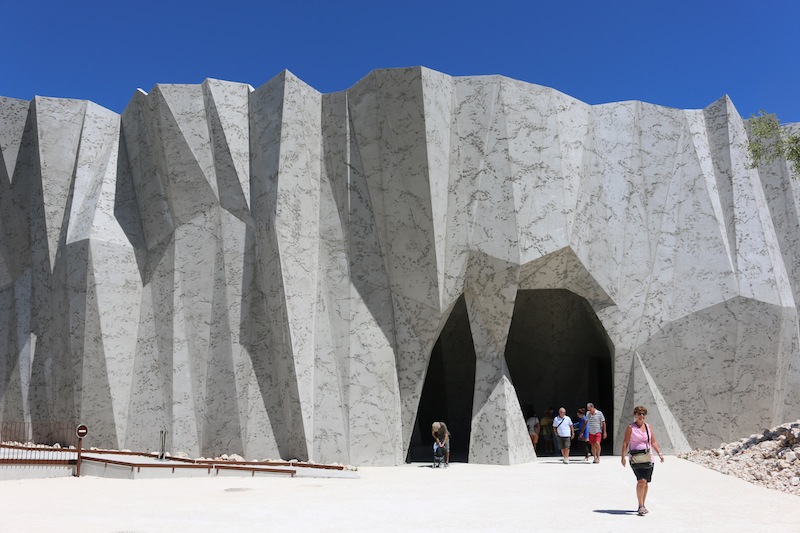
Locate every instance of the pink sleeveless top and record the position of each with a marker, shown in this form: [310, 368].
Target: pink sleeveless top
[639, 438]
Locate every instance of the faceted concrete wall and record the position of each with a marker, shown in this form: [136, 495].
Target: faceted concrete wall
[267, 271]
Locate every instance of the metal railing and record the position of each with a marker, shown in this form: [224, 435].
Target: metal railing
[58, 444]
[43, 443]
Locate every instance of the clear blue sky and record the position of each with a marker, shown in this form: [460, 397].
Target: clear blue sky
[676, 53]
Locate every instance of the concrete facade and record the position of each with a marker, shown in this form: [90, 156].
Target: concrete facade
[267, 272]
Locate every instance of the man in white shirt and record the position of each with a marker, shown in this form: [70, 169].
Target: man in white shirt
[562, 426]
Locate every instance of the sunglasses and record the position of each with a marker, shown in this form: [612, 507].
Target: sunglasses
[640, 414]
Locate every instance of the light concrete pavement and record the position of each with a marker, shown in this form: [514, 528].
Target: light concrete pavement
[542, 496]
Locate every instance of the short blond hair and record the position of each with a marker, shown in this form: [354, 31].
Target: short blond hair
[640, 409]
[436, 426]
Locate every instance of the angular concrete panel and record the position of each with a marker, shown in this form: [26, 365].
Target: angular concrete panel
[267, 272]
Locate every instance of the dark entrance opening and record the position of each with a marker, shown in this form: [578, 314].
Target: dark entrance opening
[448, 390]
[559, 355]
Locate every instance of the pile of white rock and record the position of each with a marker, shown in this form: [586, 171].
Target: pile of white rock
[29, 444]
[239, 459]
[771, 458]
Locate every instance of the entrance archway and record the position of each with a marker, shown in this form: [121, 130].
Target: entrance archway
[448, 390]
[559, 355]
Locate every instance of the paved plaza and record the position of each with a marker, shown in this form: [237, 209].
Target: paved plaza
[542, 496]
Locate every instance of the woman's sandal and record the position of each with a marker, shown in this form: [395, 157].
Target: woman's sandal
[642, 510]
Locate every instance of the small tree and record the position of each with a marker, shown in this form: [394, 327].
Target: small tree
[768, 141]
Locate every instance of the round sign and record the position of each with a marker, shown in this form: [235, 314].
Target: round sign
[81, 431]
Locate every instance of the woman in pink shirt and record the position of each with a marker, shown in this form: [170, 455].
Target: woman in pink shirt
[639, 438]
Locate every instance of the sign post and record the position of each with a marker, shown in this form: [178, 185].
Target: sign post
[80, 432]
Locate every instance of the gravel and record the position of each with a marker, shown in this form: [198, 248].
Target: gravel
[770, 458]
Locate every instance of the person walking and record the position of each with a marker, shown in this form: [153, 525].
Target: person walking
[563, 428]
[640, 440]
[582, 430]
[597, 429]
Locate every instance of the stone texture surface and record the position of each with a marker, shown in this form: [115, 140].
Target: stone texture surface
[266, 272]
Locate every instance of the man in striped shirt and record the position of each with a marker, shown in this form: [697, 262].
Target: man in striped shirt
[597, 429]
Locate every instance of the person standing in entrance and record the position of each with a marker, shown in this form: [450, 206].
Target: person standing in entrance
[442, 436]
[546, 434]
[533, 428]
[563, 428]
[597, 429]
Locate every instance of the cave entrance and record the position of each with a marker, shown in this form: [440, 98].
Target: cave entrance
[559, 355]
[448, 390]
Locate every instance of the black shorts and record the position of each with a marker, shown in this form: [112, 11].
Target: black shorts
[643, 471]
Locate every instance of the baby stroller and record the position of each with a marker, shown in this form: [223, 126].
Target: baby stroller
[439, 456]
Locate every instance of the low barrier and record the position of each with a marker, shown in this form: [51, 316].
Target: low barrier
[38, 443]
[58, 444]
